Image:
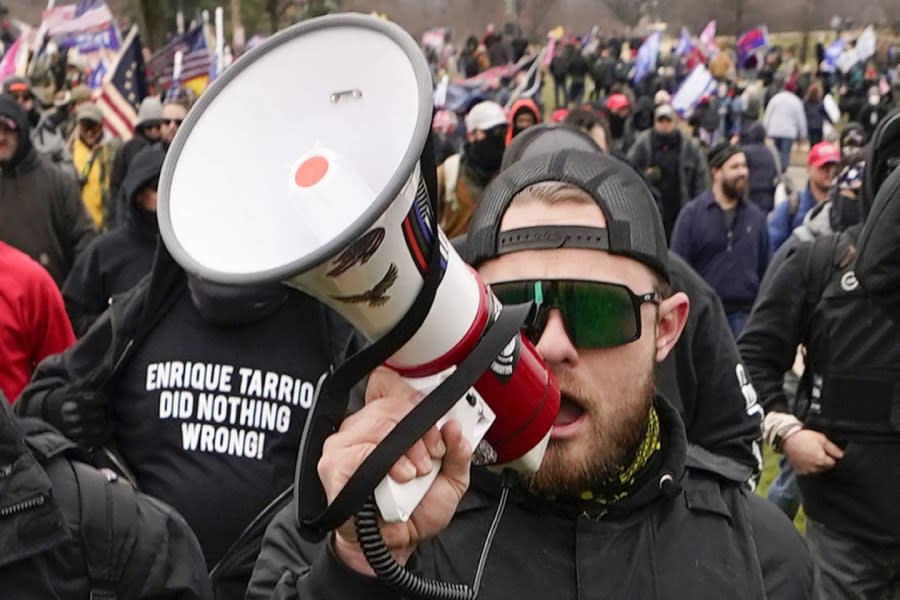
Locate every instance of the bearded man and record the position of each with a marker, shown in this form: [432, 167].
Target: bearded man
[724, 237]
[621, 505]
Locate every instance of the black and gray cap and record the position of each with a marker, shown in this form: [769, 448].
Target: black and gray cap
[546, 138]
[633, 224]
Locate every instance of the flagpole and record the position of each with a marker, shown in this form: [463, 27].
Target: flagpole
[220, 40]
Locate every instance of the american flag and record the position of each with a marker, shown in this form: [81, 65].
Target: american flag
[196, 61]
[87, 15]
[124, 88]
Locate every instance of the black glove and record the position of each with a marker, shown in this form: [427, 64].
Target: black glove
[80, 415]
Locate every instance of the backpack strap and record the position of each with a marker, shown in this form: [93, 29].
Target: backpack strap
[820, 265]
[108, 509]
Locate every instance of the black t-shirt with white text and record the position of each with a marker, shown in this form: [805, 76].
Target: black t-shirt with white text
[209, 418]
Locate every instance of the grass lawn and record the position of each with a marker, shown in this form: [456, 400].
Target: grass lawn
[770, 471]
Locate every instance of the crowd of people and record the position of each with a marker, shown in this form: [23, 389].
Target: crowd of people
[149, 444]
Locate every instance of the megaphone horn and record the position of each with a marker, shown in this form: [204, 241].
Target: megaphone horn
[331, 200]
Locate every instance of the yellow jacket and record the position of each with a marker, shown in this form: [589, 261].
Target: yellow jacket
[93, 177]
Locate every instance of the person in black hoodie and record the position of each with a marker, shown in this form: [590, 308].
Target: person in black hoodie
[118, 259]
[840, 436]
[762, 165]
[201, 390]
[41, 211]
[48, 549]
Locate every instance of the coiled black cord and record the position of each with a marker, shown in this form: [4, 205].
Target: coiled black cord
[395, 575]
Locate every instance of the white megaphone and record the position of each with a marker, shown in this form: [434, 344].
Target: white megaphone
[301, 164]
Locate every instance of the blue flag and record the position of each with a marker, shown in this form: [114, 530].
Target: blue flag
[833, 53]
[685, 44]
[646, 57]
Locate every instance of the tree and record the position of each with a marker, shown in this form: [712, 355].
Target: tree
[629, 11]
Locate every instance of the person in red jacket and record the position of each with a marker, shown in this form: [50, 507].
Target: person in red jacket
[522, 114]
[33, 320]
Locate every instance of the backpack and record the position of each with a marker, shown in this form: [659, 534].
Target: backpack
[107, 509]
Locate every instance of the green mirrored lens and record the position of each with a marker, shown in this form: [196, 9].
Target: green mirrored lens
[599, 315]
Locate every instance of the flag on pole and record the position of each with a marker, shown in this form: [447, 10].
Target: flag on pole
[124, 88]
[698, 84]
[196, 57]
[750, 42]
[87, 15]
[95, 81]
[708, 36]
[685, 44]
[832, 54]
[645, 62]
[10, 59]
[865, 44]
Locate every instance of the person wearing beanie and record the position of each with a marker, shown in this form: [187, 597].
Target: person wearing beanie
[147, 130]
[620, 506]
[463, 176]
[724, 237]
[92, 154]
[118, 259]
[672, 162]
[41, 211]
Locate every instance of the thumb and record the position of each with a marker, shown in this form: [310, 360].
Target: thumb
[831, 449]
[456, 463]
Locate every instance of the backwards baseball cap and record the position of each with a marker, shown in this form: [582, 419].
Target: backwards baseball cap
[823, 153]
[633, 229]
[617, 101]
[546, 138]
[485, 115]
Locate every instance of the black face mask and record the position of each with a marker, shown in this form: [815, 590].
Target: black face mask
[486, 155]
[231, 305]
[844, 212]
[616, 125]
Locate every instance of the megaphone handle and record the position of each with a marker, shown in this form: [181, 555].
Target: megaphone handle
[397, 501]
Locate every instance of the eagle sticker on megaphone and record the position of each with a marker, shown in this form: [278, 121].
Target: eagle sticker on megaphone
[324, 192]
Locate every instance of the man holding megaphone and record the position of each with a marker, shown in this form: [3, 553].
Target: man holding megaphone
[620, 505]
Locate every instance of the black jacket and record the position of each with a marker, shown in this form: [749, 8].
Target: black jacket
[41, 210]
[840, 329]
[116, 260]
[878, 261]
[43, 550]
[761, 164]
[707, 537]
[704, 379]
[123, 158]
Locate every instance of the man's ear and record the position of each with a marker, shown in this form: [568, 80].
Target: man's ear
[673, 314]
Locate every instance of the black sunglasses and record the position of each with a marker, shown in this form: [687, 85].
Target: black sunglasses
[596, 314]
[176, 122]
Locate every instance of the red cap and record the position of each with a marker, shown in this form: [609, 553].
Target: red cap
[822, 154]
[617, 101]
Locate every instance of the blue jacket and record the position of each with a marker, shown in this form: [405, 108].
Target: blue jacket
[782, 222]
[733, 267]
